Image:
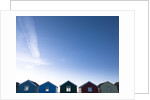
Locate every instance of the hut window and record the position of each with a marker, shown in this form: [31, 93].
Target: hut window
[89, 89]
[68, 88]
[47, 89]
[26, 88]
[108, 88]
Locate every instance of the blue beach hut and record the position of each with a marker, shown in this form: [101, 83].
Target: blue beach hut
[28, 87]
[47, 87]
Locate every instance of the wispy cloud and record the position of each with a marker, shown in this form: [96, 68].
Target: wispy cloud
[25, 58]
[29, 60]
[27, 25]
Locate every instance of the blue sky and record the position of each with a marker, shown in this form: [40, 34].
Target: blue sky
[61, 48]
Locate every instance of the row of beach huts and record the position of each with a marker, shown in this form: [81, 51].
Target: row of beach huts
[67, 87]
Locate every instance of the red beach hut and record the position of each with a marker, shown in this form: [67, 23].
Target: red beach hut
[88, 87]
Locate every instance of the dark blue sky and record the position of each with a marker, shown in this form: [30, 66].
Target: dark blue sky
[76, 48]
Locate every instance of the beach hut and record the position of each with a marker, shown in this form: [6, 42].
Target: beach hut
[117, 84]
[68, 87]
[47, 87]
[17, 85]
[107, 87]
[28, 87]
[88, 87]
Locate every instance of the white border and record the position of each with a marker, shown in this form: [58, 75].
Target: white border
[126, 55]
